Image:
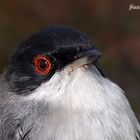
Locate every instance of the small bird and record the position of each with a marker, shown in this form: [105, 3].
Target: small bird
[55, 89]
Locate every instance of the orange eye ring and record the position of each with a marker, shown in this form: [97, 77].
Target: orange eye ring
[42, 64]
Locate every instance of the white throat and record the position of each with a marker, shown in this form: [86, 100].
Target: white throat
[86, 106]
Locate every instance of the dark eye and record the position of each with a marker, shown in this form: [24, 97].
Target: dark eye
[42, 64]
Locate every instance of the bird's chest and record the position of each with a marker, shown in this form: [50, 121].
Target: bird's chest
[70, 115]
[67, 125]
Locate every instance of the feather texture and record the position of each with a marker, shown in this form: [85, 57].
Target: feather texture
[82, 105]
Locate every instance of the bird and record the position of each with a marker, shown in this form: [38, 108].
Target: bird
[54, 88]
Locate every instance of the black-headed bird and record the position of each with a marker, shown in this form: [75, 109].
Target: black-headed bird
[54, 89]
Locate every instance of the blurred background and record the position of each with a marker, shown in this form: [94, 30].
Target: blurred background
[114, 29]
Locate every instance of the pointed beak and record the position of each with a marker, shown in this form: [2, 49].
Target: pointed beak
[85, 57]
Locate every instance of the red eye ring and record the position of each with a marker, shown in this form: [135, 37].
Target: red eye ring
[42, 64]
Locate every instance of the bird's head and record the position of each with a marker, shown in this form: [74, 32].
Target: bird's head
[45, 53]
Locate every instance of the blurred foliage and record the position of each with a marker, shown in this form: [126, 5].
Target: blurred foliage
[114, 29]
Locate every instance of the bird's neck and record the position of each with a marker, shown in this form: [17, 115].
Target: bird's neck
[84, 101]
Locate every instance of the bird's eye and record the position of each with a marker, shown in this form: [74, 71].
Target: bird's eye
[42, 64]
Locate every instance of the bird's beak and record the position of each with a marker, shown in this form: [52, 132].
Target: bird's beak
[85, 57]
